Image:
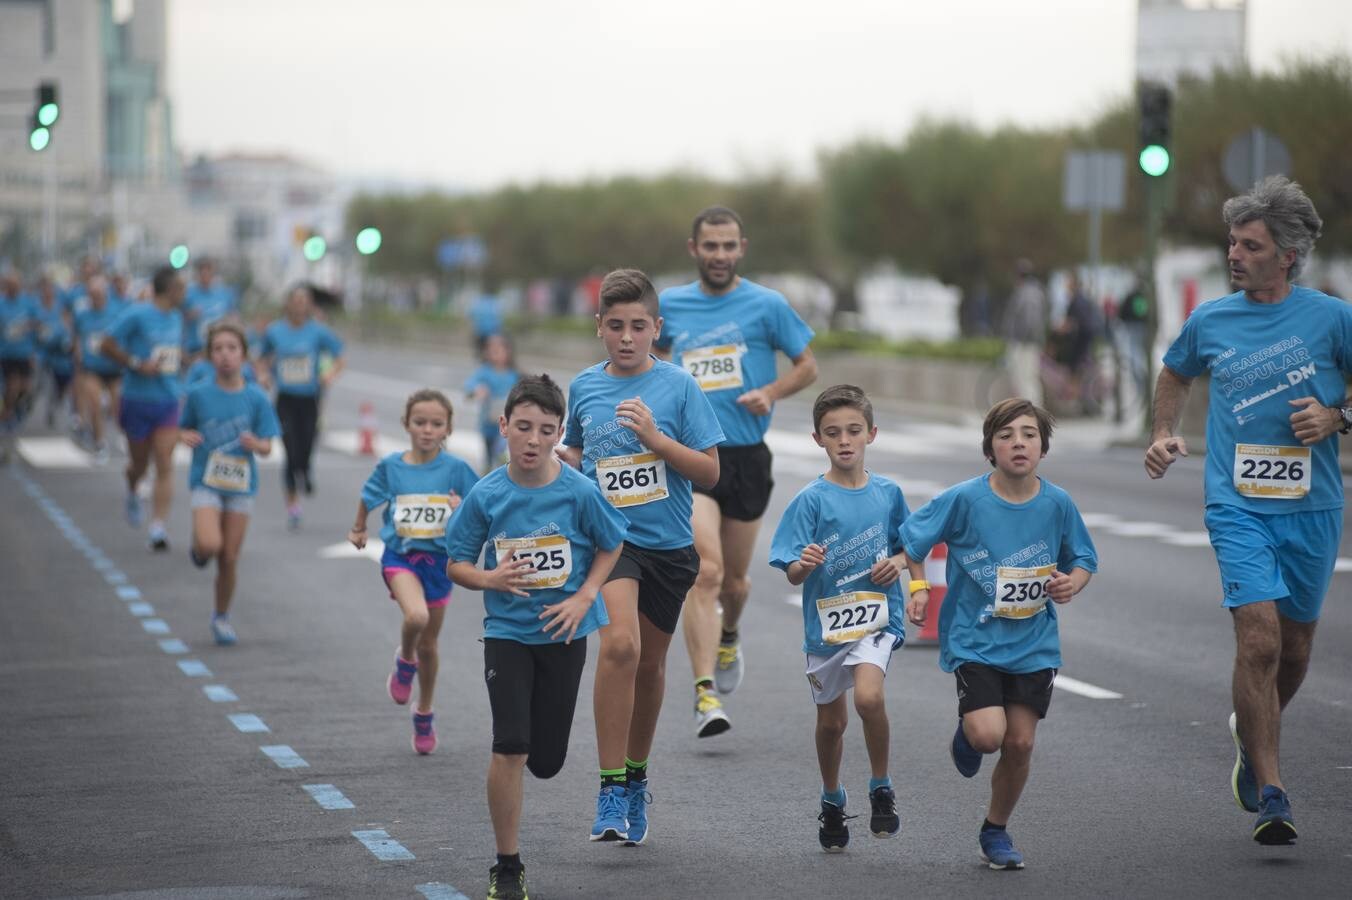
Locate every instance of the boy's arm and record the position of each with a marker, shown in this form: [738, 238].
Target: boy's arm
[1062, 587]
[700, 466]
[566, 615]
[813, 555]
[916, 606]
[571, 455]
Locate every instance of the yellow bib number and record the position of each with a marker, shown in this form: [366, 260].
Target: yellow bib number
[227, 473]
[632, 480]
[421, 515]
[851, 616]
[715, 368]
[551, 556]
[1273, 473]
[1021, 593]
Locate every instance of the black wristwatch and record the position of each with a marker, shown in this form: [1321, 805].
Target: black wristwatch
[1346, 413]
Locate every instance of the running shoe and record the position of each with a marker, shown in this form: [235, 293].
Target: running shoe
[639, 798]
[709, 716]
[293, 518]
[1242, 781]
[159, 539]
[133, 507]
[1275, 827]
[198, 561]
[424, 733]
[997, 849]
[884, 822]
[100, 454]
[833, 834]
[966, 757]
[612, 806]
[730, 669]
[401, 679]
[223, 631]
[507, 883]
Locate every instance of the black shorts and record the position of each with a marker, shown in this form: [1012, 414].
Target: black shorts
[664, 578]
[16, 368]
[109, 379]
[980, 686]
[532, 690]
[744, 482]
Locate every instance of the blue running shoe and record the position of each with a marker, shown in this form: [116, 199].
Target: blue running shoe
[198, 561]
[1275, 827]
[612, 805]
[998, 850]
[1242, 780]
[223, 631]
[639, 798]
[134, 514]
[966, 757]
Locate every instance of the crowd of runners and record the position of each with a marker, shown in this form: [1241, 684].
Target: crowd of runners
[631, 505]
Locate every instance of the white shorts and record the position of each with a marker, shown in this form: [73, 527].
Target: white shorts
[830, 676]
[206, 498]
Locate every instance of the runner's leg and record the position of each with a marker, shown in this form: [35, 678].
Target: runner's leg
[616, 668]
[429, 659]
[233, 527]
[650, 684]
[700, 619]
[1016, 754]
[1258, 651]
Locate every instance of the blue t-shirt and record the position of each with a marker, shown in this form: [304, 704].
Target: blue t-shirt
[201, 308]
[499, 383]
[728, 343]
[91, 326]
[18, 327]
[1262, 355]
[420, 492]
[54, 340]
[149, 333]
[295, 351]
[568, 517]
[203, 370]
[858, 527]
[222, 416]
[991, 541]
[681, 412]
[485, 316]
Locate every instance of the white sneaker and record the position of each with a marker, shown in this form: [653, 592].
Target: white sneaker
[730, 668]
[709, 716]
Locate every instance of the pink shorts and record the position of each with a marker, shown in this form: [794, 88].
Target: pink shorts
[429, 568]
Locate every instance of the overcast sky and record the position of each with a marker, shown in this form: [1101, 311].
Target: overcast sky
[479, 94]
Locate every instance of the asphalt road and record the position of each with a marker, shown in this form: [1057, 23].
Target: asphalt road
[122, 773]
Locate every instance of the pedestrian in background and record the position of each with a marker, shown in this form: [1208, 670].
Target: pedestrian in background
[1025, 333]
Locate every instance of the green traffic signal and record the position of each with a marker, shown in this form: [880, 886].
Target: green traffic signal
[314, 248]
[368, 241]
[178, 257]
[1154, 160]
[47, 114]
[39, 138]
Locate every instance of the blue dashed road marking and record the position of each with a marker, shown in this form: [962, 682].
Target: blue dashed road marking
[194, 668]
[248, 723]
[140, 609]
[328, 796]
[219, 693]
[173, 646]
[435, 890]
[130, 592]
[115, 578]
[284, 757]
[382, 846]
[155, 626]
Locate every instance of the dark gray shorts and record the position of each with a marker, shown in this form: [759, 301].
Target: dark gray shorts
[664, 578]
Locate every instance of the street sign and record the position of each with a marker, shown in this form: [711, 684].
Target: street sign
[462, 253]
[1253, 156]
[1094, 179]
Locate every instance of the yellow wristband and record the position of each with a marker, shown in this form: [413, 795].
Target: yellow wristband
[918, 586]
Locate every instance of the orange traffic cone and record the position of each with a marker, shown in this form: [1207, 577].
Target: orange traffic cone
[366, 429]
[936, 573]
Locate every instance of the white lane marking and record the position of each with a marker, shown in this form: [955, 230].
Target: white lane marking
[1187, 539]
[1085, 689]
[344, 550]
[793, 599]
[63, 453]
[1099, 520]
[1140, 529]
[1342, 564]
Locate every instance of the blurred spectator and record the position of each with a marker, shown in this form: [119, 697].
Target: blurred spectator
[1025, 333]
[485, 318]
[1130, 336]
[1075, 339]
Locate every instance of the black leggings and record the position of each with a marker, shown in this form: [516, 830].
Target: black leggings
[532, 689]
[299, 418]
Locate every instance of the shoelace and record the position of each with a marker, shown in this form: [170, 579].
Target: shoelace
[884, 801]
[422, 726]
[707, 701]
[727, 655]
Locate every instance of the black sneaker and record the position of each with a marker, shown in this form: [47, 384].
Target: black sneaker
[834, 833]
[198, 561]
[884, 822]
[507, 883]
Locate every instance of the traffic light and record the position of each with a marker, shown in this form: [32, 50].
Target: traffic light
[46, 110]
[314, 248]
[1156, 102]
[368, 241]
[178, 257]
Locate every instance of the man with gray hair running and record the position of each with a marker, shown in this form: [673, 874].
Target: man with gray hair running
[1278, 354]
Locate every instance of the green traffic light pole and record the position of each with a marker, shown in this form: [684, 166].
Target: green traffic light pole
[1156, 194]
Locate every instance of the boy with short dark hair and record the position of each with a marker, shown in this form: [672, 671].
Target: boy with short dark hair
[1015, 540]
[551, 541]
[643, 429]
[838, 538]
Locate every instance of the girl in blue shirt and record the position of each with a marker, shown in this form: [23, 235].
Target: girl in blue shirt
[420, 489]
[225, 421]
[489, 385]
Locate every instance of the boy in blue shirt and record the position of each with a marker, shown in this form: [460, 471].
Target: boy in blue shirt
[838, 539]
[147, 340]
[551, 540]
[488, 385]
[1015, 541]
[643, 430]
[226, 421]
[96, 374]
